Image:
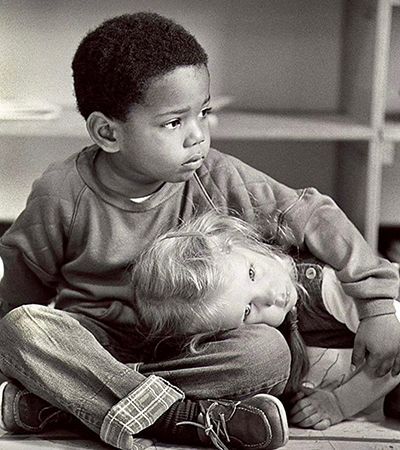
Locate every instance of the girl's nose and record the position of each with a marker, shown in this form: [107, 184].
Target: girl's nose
[274, 298]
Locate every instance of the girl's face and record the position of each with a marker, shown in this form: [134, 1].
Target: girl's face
[257, 288]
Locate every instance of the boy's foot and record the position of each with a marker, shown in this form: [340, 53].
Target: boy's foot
[391, 405]
[258, 422]
[23, 412]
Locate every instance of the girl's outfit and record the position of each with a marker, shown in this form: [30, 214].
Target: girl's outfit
[327, 316]
[322, 309]
[72, 246]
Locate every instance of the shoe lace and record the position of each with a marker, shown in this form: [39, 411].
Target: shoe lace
[214, 426]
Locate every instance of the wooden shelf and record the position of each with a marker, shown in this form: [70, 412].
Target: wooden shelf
[391, 131]
[230, 125]
[69, 124]
[320, 127]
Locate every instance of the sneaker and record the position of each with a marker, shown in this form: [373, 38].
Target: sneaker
[391, 404]
[258, 422]
[23, 412]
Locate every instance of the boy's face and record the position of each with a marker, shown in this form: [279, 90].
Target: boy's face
[167, 137]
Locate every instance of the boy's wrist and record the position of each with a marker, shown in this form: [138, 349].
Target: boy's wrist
[374, 307]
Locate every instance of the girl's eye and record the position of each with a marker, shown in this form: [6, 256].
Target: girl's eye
[205, 112]
[173, 124]
[252, 273]
[247, 311]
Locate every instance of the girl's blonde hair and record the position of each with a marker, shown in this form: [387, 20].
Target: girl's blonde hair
[177, 279]
[177, 275]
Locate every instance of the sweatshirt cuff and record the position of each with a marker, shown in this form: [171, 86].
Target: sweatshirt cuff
[375, 307]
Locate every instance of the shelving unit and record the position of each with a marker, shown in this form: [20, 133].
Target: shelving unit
[357, 127]
[231, 125]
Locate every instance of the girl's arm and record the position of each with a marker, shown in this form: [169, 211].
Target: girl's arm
[362, 390]
[319, 408]
[353, 392]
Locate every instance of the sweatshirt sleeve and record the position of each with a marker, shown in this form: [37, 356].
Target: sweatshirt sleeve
[320, 225]
[32, 251]
[315, 223]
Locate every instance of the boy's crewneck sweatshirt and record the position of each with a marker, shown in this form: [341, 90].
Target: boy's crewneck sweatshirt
[75, 240]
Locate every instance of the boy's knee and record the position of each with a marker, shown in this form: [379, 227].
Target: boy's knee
[22, 320]
[264, 357]
[249, 360]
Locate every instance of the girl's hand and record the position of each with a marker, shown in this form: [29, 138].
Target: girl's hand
[318, 409]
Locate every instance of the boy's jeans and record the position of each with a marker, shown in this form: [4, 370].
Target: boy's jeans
[84, 367]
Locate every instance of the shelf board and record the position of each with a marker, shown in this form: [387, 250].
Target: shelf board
[391, 131]
[69, 124]
[263, 126]
[229, 125]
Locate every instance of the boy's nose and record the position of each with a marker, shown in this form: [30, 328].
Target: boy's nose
[195, 137]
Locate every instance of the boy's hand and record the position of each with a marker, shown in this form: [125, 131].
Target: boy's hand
[318, 409]
[378, 341]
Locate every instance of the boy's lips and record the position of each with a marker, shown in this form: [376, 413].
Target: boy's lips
[194, 162]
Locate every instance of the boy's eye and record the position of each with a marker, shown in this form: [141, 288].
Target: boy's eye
[247, 311]
[252, 272]
[205, 112]
[173, 124]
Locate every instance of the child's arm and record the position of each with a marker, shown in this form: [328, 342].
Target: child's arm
[373, 281]
[378, 341]
[353, 260]
[345, 309]
[317, 223]
[321, 408]
[32, 250]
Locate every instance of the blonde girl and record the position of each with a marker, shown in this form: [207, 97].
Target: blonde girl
[215, 273]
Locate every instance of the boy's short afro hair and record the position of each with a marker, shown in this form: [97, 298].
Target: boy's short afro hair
[115, 62]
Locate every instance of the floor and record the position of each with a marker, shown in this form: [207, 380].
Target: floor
[364, 433]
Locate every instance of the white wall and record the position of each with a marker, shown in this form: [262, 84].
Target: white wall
[393, 90]
[270, 54]
[390, 206]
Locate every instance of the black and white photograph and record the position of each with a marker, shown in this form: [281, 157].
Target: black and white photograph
[200, 224]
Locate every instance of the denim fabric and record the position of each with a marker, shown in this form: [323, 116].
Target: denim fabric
[317, 327]
[74, 362]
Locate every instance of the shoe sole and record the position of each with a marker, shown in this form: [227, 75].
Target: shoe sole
[2, 388]
[282, 415]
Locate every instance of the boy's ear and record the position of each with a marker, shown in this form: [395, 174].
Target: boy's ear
[102, 132]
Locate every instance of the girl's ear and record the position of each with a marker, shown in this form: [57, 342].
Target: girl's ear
[102, 131]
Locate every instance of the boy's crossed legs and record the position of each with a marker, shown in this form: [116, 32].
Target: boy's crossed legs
[70, 361]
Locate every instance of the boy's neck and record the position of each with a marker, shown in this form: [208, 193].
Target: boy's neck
[115, 180]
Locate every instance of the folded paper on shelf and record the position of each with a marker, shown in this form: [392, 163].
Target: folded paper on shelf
[21, 109]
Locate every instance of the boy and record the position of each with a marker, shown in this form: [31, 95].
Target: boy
[142, 85]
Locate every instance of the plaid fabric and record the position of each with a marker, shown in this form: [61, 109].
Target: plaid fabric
[140, 409]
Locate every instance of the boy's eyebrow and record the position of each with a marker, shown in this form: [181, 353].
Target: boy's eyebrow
[181, 111]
